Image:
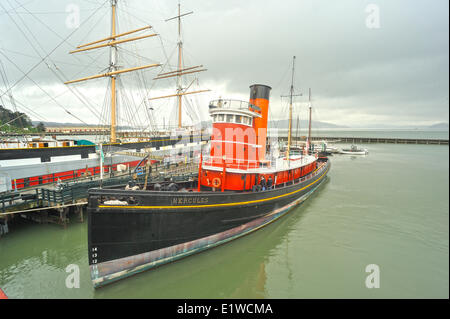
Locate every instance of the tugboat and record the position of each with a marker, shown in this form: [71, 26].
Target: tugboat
[239, 189]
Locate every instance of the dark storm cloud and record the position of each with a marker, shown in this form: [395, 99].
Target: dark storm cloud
[395, 74]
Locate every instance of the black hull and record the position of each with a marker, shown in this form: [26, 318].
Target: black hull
[158, 227]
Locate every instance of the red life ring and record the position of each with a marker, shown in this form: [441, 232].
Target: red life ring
[216, 182]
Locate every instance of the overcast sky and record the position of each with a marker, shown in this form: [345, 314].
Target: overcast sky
[368, 63]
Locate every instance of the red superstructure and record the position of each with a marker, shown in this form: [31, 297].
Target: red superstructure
[238, 147]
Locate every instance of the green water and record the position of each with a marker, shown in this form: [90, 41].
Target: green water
[389, 208]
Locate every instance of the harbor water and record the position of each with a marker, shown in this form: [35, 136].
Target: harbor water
[389, 208]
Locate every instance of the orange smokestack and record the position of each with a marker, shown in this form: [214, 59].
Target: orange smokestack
[259, 96]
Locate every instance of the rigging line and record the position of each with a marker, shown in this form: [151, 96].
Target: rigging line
[76, 91]
[21, 5]
[92, 2]
[278, 84]
[51, 52]
[138, 108]
[132, 120]
[124, 110]
[142, 79]
[34, 57]
[69, 88]
[16, 118]
[80, 97]
[23, 33]
[140, 76]
[40, 55]
[194, 110]
[105, 110]
[54, 100]
[95, 24]
[28, 109]
[6, 83]
[161, 13]
[124, 115]
[144, 93]
[4, 77]
[48, 12]
[122, 86]
[53, 31]
[146, 22]
[136, 55]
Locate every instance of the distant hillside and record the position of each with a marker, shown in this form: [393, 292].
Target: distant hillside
[17, 119]
[17, 122]
[58, 124]
[439, 126]
[303, 124]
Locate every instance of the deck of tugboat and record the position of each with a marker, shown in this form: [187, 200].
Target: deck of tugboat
[279, 165]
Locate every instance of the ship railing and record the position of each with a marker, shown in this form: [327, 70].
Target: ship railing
[231, 163]
[317, 171]
[54, 178]
[10, 200]
[232, 104]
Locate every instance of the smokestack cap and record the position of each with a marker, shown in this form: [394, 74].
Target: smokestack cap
[259, 91]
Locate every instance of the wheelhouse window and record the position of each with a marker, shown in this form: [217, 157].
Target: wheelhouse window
[230, 118]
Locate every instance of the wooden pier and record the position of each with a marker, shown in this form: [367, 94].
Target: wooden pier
[372, 140]
[331, 139]
[54, 203]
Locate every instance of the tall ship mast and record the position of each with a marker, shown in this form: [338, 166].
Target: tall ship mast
[113, 70]
[291, 96]
[180, 71]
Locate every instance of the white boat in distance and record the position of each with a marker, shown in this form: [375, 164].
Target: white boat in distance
[354, 150]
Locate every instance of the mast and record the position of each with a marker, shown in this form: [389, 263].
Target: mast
[180, 63]
[180, 44]
[291, 95]
[309, 128]
[180, 71]
[113, 69]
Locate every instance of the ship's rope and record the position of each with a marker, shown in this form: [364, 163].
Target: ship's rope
[52, 51]
[44, 58]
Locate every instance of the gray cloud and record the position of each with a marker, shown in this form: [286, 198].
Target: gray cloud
[396, 74]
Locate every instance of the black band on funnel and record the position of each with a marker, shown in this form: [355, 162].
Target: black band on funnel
[259, 91]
